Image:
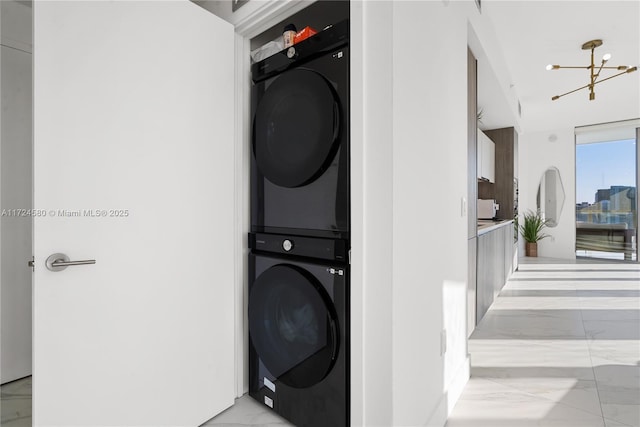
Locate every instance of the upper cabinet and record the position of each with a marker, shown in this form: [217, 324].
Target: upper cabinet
[486, 156]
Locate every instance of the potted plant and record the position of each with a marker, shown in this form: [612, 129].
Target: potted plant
[531, 230]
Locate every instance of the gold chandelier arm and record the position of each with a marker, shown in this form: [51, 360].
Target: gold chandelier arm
[598, 73]
[575, 90]
[630, 70]
[557, 67]
[602, 67]
[619, 67]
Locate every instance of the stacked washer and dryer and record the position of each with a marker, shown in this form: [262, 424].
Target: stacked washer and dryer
[299, 239]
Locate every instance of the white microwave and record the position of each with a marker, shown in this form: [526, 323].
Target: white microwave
[487, 208]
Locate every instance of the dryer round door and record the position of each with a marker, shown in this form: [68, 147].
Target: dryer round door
[293, 325]
[296, 128]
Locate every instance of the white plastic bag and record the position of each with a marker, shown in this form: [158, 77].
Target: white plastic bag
[267, 50]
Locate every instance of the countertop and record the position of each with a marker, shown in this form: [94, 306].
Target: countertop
[487, 225]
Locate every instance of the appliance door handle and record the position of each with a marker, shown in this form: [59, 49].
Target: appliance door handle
[336, 121]
[334, 339]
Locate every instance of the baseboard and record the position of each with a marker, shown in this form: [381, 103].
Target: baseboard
[456, 387]
[450, 397]
[439, 415]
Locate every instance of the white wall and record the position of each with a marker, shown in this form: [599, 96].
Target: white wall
[372, 213]
[429, 228]
[537, 152]
[224, 9]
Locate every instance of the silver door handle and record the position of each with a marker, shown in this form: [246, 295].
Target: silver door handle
[58, 262]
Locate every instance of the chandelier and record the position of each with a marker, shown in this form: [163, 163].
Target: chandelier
[593, 70]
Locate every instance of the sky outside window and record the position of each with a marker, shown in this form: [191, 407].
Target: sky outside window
[602, 165]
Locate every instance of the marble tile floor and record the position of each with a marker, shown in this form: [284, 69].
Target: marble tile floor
[15, 410]
[15, 403]
[560, 346]
[248, 413]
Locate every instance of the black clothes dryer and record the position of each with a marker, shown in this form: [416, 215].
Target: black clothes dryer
[300, 140]
[298, 329]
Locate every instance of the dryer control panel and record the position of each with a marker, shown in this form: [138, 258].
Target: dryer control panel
[310, 247]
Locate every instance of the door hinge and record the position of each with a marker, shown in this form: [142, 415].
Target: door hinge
[32, 264]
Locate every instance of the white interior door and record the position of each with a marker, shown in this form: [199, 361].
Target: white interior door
[133, 160]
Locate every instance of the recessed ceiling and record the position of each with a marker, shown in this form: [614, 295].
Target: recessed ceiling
[533, 34]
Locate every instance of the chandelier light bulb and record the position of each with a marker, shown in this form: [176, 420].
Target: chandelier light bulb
[549, 67]
[606, 57]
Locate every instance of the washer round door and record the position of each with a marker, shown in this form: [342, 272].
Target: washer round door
[296, 128]
[293, 325]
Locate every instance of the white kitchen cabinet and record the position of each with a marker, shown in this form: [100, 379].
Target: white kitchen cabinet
[479, 145]
[486, 158]
[489, 159]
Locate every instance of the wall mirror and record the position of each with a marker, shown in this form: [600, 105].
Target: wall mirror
[550, 198]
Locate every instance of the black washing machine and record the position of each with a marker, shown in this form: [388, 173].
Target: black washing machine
[300, 141]
[298, 328]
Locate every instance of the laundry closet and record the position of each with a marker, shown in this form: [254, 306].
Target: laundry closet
[299, 288]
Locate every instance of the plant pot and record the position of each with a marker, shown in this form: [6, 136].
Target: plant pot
[531, 249]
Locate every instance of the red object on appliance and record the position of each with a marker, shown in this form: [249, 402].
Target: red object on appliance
[303, 34]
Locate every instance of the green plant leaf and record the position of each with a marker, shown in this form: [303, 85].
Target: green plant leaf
[532, 226]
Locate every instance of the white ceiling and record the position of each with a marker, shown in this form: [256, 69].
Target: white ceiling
[533, 34]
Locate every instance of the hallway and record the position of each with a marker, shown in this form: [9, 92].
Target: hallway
[559, 347]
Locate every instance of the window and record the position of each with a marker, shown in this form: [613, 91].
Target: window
[606, 194]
